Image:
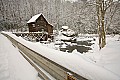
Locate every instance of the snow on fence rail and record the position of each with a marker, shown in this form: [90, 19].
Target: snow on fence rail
[57, 71]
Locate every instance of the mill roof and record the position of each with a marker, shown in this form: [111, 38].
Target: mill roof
[34, 18]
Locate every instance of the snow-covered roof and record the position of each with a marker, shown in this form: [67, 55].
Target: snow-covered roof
[33, 19]
[65, 27]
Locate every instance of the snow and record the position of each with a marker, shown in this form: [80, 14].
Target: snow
[12, 64]
[71, 0]
[63, 46]
[33, 19]
[94, 65]
[109, 57]
[62, 37]
[65, 27]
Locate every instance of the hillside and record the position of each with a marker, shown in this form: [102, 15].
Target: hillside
[79, 15]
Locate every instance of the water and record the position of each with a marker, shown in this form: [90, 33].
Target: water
[80, 46]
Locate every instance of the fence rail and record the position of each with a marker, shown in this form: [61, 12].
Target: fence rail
[57, 71]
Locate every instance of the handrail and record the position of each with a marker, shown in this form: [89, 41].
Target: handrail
[56, 70]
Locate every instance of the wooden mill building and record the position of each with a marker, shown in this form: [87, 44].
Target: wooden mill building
[38, 23]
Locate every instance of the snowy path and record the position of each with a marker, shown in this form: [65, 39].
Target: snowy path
[12, 65]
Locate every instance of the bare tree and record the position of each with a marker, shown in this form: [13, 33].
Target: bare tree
[102, 6]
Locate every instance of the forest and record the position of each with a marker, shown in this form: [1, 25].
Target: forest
[79, 15]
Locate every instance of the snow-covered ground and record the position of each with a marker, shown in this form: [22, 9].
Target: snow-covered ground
[109, 56]
[12, 64]
[94, 65]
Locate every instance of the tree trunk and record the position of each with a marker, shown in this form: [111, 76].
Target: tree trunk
[103, 37]
[101, 27]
